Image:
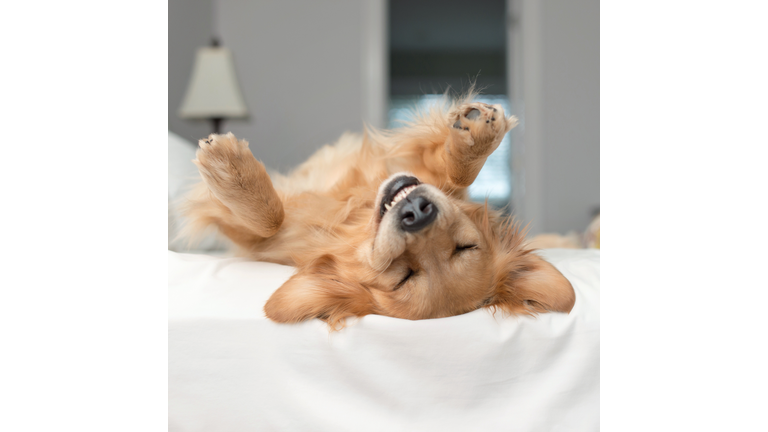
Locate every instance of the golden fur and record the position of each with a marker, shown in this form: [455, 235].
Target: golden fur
[325, 218]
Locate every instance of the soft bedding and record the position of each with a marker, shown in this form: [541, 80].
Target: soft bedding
[231, 369]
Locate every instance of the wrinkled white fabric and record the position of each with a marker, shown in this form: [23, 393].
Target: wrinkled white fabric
[231, 369]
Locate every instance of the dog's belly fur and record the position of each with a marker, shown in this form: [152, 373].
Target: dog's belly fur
[324, 169]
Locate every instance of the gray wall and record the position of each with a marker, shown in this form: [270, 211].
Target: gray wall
[299, 65]
[571, 102]
[190, 25]
[557, 154]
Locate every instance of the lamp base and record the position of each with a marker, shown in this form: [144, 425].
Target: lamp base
[217, 124]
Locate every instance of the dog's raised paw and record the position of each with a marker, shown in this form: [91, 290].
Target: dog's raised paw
[225, 163]
[480, 125]
[220, 149]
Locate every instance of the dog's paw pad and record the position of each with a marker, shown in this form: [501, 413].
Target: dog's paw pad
[485, 123]
[459, 126]
[479, 118]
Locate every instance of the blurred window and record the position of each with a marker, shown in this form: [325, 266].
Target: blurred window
[437, 44]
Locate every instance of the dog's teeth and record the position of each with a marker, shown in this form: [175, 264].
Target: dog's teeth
[399, 197]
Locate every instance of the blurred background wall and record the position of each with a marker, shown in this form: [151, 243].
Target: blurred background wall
[310, 70]
[190, 26]
[554, 57]
[299, 64]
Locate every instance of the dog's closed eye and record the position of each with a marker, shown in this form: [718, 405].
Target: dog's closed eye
[402, 282]
[461, 248]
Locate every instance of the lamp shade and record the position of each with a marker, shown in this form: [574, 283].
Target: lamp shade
[213, 91]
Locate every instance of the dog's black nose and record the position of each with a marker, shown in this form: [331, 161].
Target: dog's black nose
[417, 213]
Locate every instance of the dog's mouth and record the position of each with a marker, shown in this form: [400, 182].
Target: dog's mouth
[395, 191]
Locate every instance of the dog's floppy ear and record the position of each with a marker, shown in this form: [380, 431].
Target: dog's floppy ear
[534, 286]
[317, 291]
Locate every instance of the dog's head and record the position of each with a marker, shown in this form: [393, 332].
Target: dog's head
[424, 255]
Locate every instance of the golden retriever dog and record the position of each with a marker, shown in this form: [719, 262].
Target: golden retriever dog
[380, 223]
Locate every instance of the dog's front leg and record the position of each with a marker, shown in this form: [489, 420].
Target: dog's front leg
[476, 131]
[241, 183]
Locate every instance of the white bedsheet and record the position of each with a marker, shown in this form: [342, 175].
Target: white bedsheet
[231, 369]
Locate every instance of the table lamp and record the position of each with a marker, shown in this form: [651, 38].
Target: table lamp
[213, 92]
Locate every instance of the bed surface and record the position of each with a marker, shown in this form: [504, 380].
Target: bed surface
[231, 369]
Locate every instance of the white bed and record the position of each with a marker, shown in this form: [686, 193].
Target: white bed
[231, 369]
